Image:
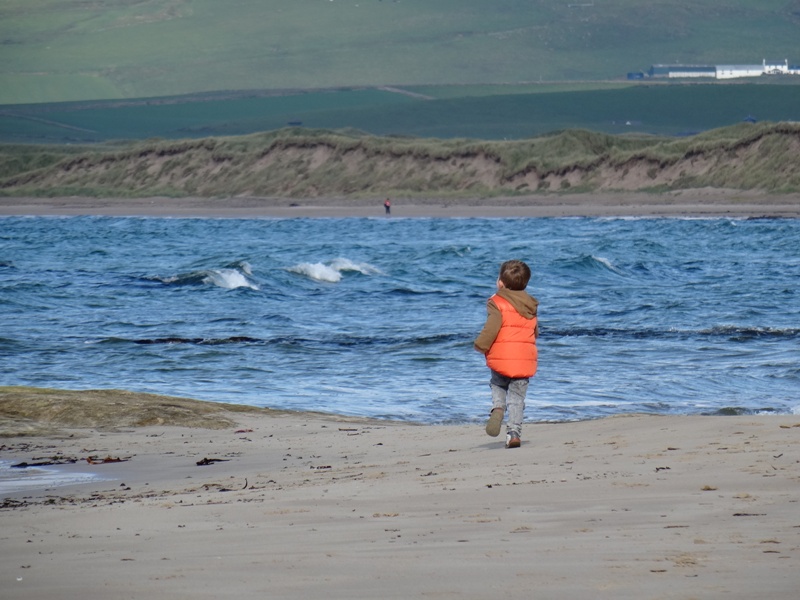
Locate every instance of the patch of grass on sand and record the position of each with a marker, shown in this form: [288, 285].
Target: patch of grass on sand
[39, 411]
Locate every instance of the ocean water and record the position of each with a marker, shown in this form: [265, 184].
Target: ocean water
[376, 317]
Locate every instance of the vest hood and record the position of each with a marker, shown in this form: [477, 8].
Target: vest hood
[525, 304]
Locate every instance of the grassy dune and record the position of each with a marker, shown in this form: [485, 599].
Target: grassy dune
[310, 163]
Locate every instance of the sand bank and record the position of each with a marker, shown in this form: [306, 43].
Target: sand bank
[283, 505]
[695, 203]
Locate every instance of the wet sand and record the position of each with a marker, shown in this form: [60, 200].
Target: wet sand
[690, 203]
[289, 505]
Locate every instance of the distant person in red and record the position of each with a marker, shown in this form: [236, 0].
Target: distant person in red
[388, 206]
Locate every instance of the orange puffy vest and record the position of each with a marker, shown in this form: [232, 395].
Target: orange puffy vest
[513, 352]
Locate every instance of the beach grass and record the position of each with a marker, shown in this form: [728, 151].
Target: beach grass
[297, 162]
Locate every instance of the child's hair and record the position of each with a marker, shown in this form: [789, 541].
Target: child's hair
[515, 274]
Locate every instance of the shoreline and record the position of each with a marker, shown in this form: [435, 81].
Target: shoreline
[710, 203]
[296, 505]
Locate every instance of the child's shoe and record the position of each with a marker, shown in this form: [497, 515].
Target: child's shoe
[512, 440]
[495, 422]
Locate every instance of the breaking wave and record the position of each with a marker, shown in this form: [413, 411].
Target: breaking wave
[588, 263]
[230, 277]
[332, 272]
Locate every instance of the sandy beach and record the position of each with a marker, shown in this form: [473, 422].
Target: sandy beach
[290, 505]
[691, 203]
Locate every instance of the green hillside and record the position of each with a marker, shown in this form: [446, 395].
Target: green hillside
[64, 50]
[515, 113]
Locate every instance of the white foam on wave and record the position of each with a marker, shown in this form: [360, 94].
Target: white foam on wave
[345, 264]
[317, 271]
[247, 268]
[606, 263]
[332, 272]
[229, 279]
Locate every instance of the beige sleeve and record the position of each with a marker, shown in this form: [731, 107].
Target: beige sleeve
[490, 329]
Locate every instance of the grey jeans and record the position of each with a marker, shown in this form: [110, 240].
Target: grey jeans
[509, 394]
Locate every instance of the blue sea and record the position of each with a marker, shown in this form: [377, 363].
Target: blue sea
[376, 317]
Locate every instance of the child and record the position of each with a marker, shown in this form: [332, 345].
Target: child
[508, 340]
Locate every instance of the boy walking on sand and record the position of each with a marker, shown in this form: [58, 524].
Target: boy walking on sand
[508, 340]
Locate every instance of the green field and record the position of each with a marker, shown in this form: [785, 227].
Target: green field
[65, 50]
[663, 109]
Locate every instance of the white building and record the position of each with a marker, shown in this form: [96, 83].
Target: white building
[776, 68]
[724, 71]
[765, 68]
[682, 71]
[735, 71]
